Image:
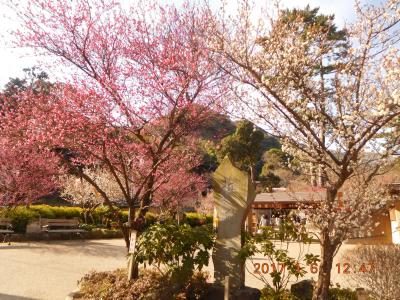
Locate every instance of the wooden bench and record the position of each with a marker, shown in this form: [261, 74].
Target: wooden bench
[61, 226]
[6, 229]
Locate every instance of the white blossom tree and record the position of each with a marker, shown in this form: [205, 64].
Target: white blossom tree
[81, 193]
[329, 103]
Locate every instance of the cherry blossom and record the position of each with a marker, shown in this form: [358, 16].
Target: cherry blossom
[142, 81]
[331, 104]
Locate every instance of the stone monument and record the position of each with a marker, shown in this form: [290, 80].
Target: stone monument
[234, 194]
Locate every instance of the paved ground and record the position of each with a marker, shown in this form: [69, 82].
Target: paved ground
[50, 270]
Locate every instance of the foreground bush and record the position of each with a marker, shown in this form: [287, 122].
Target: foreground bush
[180, 249]
[269, 293]
[151, 284]
[264, 244]
[303, 290]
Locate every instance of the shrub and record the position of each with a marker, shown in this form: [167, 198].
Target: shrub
[101, 216]
[197, 286]
[269, 293]
[196, 219]
[124, 215]
[182, 249]
[68, 212]
[264, 245]
[20, 217]
[54, 212]
[114, 285]
[209, 219]
[87, 227]
[44, 211]
[303, 291]
[104, 216]
[341, 294]
[150, 285]
[150, 219]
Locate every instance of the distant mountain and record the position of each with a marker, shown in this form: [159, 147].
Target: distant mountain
[216, 127]
[210, 134]
[219, 126]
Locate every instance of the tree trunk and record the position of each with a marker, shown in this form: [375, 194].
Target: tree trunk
[136, 224]
[125, 234]
[328, 250]
[135, 228]
[133, 267]
[85, 216]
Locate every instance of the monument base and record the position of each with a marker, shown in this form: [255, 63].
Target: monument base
[216, 292]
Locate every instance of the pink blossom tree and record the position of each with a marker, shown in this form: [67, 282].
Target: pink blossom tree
[26, 174]
[141, 84]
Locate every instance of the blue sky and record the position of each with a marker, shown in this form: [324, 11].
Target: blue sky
[13, 60]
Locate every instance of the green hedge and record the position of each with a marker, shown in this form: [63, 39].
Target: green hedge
[102, 217]
[20, 216]
[197, 219]
[57, 212]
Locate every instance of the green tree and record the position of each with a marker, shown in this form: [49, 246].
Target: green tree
[214, 147]
[269, 180]
[34, 79]
[275, 159]
[208, 151]
[244, 147]
[278, 169]
[313, 22]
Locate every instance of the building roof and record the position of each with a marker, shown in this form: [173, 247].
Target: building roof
[292, 197]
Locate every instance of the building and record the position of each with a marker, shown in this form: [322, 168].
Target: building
[280, 203]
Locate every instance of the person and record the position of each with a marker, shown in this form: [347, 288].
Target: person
[302, 217]
[263, 222]
[278, 220]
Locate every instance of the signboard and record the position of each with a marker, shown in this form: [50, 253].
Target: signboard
[132, 242]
